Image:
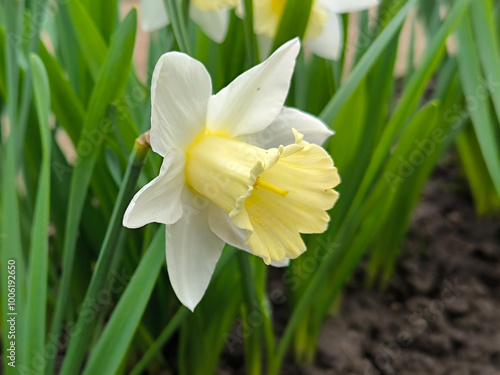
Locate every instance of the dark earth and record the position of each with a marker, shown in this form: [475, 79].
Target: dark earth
[440, 313]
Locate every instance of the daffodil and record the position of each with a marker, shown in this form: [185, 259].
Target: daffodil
[324, 32]
[211, 15]
[238, 168]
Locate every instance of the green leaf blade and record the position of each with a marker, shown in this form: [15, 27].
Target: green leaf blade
[39, 252]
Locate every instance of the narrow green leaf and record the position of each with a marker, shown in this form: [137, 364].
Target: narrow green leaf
[69, 52]
[176, 18]
[488, 45]
[104, 14]
[90, 39]
[39, 251]
[37, 10]
[250, 40]
[65, 103]
[486, 200]
[477, 101]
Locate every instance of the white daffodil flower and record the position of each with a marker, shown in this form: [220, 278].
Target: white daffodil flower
[324, 34]
[238, 168]
[211, 15]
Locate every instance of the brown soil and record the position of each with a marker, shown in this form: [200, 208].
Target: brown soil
[441, 312]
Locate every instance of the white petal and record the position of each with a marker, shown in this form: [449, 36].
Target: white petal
[154, 16]
[160, 200]
[347, 6]
[253, 100]
[280, 131]
[329, 44]
[214, 24]
[223, 227]
[180, 89]
[192, 254]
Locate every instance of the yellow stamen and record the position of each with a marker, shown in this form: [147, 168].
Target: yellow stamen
[266, 185]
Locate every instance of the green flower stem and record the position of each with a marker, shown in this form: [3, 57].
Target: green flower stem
[260, 278]
[267, 321]
[85, 326]
[252, 343]
[251, 45]
[176, 17]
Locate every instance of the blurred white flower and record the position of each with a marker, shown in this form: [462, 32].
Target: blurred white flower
[324, 34]
[211, 15]
[238, 168]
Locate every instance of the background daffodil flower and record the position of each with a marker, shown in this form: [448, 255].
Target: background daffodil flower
[211, 15]
[239, 168]
[324, 33]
